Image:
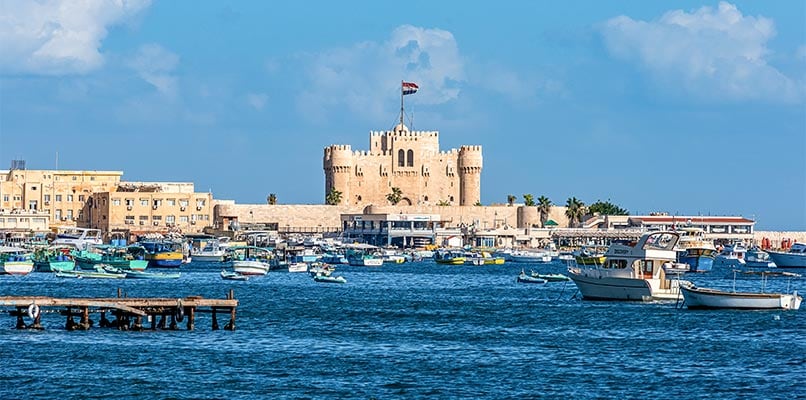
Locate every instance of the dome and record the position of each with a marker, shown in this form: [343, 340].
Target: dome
[401, 128]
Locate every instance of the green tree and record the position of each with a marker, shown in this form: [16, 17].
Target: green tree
[544, 208]
[511, 199]
[478, 203]
[395, 196]
[272, 199]
[528, 200]
[333, 197]
[443, 203]
[575, 210]
[607, 208]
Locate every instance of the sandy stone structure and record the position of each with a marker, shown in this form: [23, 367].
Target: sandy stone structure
[408, 160]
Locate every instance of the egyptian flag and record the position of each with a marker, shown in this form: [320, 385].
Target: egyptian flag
[409, 88]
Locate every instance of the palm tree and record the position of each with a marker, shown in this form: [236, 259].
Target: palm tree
[511, 199]
[528, 200]
[575, 209]
[443, 203]
[333, 197]
[395, 196]
[272, 199]
[543, 207]
[478, 203]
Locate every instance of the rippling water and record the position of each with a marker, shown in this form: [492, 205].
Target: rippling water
[408, 331]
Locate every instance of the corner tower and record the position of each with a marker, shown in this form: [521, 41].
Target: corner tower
[470, 163]
[338, 164]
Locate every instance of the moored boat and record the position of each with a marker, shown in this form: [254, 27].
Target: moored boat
[329, 279]
[551, 277]
[15, 261]
[526, 256]
[79, 238]
[696, 297]
[152, 275]
[361, 255]
[523, 278]
[126, 258]
[99, 272]
[233, 276]
[794, 258]
[632, 271]
[450, 257]
[731, 256]
[52, 259]
[163, 253]
[757, 258]
[695, 249]
[250, 260]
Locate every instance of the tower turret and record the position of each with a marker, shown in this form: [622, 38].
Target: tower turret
[470, 164]
[338, 165]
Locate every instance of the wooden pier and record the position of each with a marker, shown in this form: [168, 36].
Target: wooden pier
[127, 313]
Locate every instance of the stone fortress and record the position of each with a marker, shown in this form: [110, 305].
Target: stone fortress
[408, 160]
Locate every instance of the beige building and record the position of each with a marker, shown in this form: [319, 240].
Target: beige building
[408, 160]
[138, 208]
[24, 220]
[61, 194]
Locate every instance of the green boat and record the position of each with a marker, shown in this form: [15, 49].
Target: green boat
[100, 272]
[53, 259]
[130, 258]
[152, 275]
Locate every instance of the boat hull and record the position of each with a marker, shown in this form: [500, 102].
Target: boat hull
[17, 267]
[617, 288]
[788, 260]
[698, 298]
[53, 266]
[208, 258]
[698, 263]
[245, 267]
[165, 260]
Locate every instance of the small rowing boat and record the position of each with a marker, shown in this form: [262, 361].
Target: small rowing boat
[233, 276]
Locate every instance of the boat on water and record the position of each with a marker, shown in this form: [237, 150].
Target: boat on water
[321, 269]
[298, 267]
[482, 258]
[362, 255]
[163, 253]
[695, 249]
[704, 298]
[794, 258]
[79, 238]
[100, 271]
[233, 276]
[15, 261]
[523, 278]
[530, 256]
[590, 255]
[207, 248]
[54, 258]
[551, 277]
[757, 258]
[126, 258]
[250, 260]
[391, 256]
[329, 279]
[731, 255]
[152, 275]
[632, 270]
[449, 257]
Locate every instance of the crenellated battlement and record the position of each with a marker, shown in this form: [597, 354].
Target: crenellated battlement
[469, 148]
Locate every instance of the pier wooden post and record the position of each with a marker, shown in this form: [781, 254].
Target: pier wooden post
[104, 323]
[172, 326]
[191, 315]
[138, 324]
[161, 324]
[20, 321]
[231, 324]
[70, 325]
[85, 319]
[215, 320]
[153, 319]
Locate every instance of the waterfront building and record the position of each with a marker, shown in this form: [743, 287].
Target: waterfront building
[408, 160]
[396, 229]
[24, 220]
[61, 194]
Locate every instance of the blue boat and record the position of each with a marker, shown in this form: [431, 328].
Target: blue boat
[695, 249]
[163, 253]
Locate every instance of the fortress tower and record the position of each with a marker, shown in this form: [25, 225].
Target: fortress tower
[408, 160]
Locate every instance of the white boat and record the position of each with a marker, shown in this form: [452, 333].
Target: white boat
[731, 256]
[233, 276]
[362, 255]
[15, 261]
[695, 249]
[250, 260]
[696, 297]
[530, 257]
[757, 258]
[631, 271]
[298, 267]
[794, 258]
[80, 238]
[209, 250]
[329, 279]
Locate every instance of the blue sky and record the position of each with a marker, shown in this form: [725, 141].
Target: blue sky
[678, 106]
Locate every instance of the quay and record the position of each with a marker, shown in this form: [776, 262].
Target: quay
[128, 313]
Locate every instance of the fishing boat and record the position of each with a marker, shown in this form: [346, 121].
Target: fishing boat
[523, 278]
[794, 258]
[163, 253]
[362, 255]
[206, 248]
[250, 260]
[589, 255]
[52, 259]
[757, 258]
[450, 257]
[15, 261]
[100, 271]
[329, 279]
[551, 277]
[233, 276]
[704, 298]
[526, 256]
[632, 270]
[298, 267]
[126, 258]
[695, 249]
[334, 258]
[79, 238]
[321, 269]
[152, 275]
[731, 256]
[482, 258]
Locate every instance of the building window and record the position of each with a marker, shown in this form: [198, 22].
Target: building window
[144, 202]
[157, 218]
[81, 197]
[58, 214]
[58, 197]
[171, 202]
[75, 178]
[5, 197]
[401, 158]
[129, 202]
[46, 198]
[129, 220]
[410, 158]
[92, 178]
[157, 203]
[69, 198]
[183, 218]
[170, 219]
[32, 205]
[199, 202]
[33, 187]
[115, 202]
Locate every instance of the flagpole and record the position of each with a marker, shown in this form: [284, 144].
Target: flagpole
[401, 104]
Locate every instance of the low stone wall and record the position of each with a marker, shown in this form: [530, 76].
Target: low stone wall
[777, 236]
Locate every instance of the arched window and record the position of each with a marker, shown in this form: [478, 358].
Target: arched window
[410, 157]
[401, 158]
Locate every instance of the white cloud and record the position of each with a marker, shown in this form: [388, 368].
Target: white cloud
[716, 54]
[257, 100]
[366, 76]
[155, 65]
[55, 37]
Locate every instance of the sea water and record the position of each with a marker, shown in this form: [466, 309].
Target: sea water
[414, 330]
